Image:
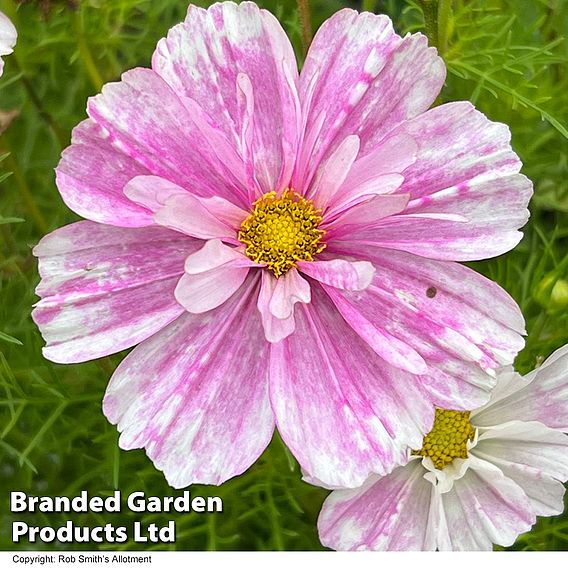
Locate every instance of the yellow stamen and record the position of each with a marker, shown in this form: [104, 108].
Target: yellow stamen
[281, 231]
[448, 438]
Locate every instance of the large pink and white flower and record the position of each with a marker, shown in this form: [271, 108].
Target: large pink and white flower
[8, 37]
[479, 478]
[281, 245]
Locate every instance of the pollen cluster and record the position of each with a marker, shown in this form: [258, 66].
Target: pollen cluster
[448, 438]
[281, 231]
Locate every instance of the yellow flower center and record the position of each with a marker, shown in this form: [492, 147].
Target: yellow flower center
[448, 438]
[281, 231]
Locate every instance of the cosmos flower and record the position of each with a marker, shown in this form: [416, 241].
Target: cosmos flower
[479, 478]
[281, 246]
[8, 36]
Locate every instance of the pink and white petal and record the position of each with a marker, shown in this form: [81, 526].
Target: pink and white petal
[463, 325]
[8, 37]
[394, 351]
[91, 176]
[339, 273]
[289, 289]
[488, 214]
[195, 395]
[508, 381]
[484, 508]
[146, 120]
[202, 59]
[275, 329]
[333, 171]
[223, 147]
[105, 289]
[533, 456]
[215, 254]
[387, 514]
[465, 166]
[368, 175]
[365, 79]
[360, 219]
[525, 443]
[199, 293]
[456, 144]
[382, 185]
[202, 218]
[343, 412]
[542, 395]
[151, 191]
[245, 100]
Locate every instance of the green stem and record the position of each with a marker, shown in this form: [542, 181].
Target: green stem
[437, 18]
[27, 196]
[306, 24]
[430, 12]
[211, 533]
[444, 14]
[85, 53]
[116, 466]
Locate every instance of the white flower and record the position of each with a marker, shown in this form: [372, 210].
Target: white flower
[514, 460]
[8, 36]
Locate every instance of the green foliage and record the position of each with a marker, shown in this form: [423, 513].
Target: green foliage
[508, 57]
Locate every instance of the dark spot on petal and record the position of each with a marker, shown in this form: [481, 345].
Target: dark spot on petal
[431, 292]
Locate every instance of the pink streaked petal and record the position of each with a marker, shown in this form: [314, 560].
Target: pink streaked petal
[105, 289]
[378, 173]
[91, 176]
[333, 172]
[340, 273]
[203, 218]
[456, 143]
[202, 59]
[458, 286]
[542, 396]
[146, 120]
[391, 156]
[245, 100]
[533, 456]
[463, 325]
[153, 193]
[387, 513]
[489, 212]
[367, 80]
[275, 329]
[394, 351]
[378, 186]
[465, 167]
[302, 169]
[344, 413]
[436, 216]
[365, 216]
[484, 508]
[195, 396]
[290, 289]
[224, 148]
[204, 291]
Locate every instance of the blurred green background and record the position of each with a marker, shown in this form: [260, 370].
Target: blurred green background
[509, 57]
